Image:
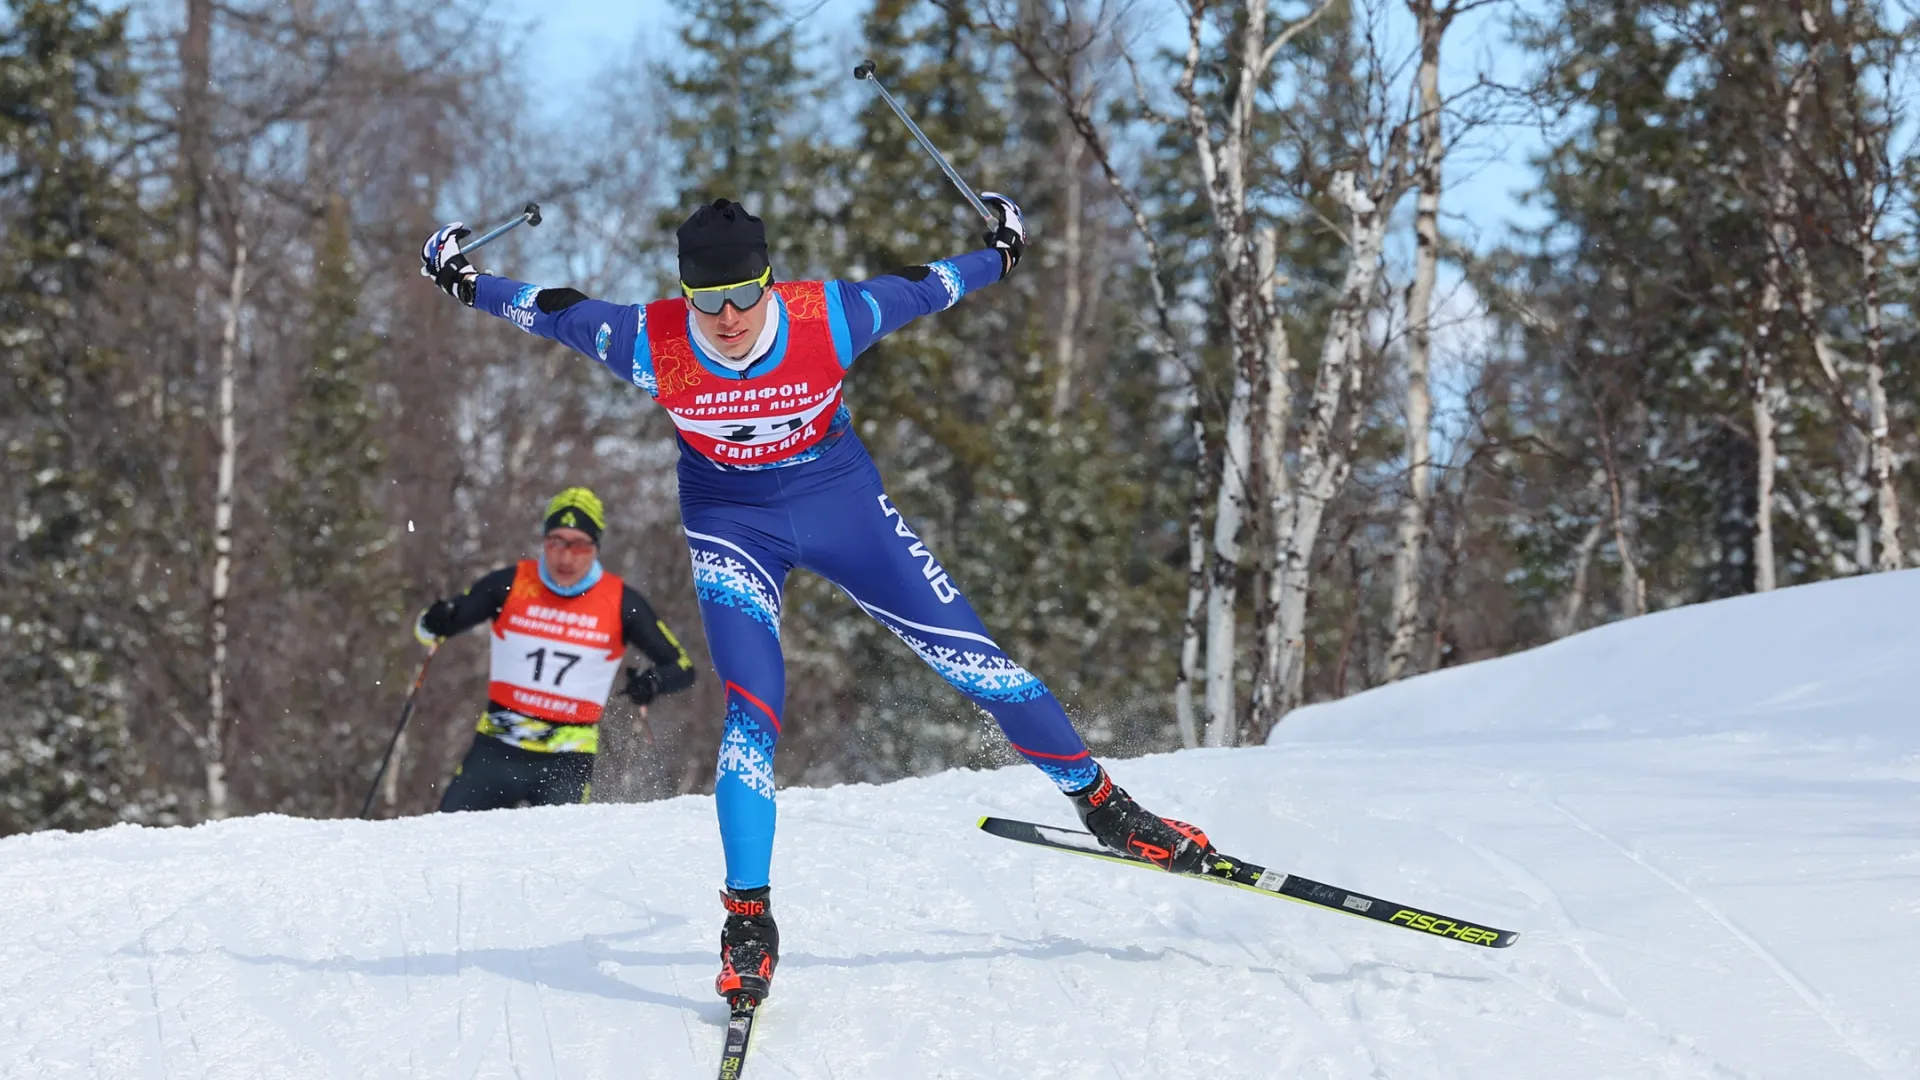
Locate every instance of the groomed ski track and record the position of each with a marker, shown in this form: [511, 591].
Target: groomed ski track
[1705, 825]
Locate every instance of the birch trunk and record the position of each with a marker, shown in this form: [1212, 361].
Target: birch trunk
[1224, 165]
[1224, 580]
[1405, 616]
[1763, 448]
[1859, 485]
[1886, 499]
[1278, 420]
[1623, 489]
[1569, 618]
[1862, 445]
[1323, 453]
[1070, 300]
[1196, 590]
[1761, 350]
[213, 742]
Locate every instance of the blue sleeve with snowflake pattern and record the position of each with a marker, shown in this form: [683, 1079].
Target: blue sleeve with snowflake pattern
[878, 306]
[606, 332]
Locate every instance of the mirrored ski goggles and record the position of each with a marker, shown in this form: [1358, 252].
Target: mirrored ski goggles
[714, 298]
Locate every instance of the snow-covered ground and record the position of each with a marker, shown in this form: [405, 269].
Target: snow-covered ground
[1706, 825]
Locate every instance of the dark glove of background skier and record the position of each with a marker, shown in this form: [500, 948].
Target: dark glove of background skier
[435, 623]
[642, 686]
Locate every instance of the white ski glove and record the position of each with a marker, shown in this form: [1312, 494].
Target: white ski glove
[441, 260]
[1009, 235]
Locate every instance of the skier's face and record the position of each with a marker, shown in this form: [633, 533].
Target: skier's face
[569, 555]
[733, 331]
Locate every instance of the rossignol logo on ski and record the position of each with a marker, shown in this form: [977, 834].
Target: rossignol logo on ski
[936, 577]
[1434, 924]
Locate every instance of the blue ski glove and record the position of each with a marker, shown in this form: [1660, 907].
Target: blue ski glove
[1009, 235]
[440, 259]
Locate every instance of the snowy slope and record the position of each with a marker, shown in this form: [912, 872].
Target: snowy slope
[1706, 825]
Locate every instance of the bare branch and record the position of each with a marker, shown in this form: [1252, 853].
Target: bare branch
[1298, 27]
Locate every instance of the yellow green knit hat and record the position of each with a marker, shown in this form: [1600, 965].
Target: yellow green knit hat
[577, 508]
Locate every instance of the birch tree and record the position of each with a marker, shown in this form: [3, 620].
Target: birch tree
[1404, 615]
[1763, 343]
[1851, 156]
[1227, 162]
[212, 737]
[1365, 191]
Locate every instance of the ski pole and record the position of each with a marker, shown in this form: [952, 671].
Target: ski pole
[407, 709]
[528, 216]
[864, 71]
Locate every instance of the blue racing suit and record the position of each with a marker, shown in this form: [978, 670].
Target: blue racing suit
[821, 508]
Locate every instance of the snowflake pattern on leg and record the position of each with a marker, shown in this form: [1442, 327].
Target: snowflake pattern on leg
[975, 672]
[1069, 777]
[729, 581]
[746, 752]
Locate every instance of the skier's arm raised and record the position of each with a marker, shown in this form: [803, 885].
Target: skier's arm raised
[597, 329]
[879, 306]
[445, 618]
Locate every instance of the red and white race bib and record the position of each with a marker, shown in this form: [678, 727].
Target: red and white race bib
[754, 421]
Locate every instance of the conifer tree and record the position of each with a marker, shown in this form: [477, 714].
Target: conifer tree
[68, 225]
[741, 122]
[332, 546]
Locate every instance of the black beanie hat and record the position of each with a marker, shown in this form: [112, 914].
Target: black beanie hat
[722, 244]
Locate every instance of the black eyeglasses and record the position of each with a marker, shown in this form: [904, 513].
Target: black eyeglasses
[714, 299]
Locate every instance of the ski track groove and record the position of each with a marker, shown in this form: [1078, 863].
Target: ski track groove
[1040, 928]
[673, 970]
[1298, 988]
[1070, 997]
[459, 957]
[533, 979]
[1812, 998]
[153, 996]
[1679, 1049]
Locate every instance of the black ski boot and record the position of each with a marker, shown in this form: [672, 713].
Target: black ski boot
[749, 946]
[1121, 824]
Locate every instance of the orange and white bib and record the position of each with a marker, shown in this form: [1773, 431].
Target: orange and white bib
[555, 657]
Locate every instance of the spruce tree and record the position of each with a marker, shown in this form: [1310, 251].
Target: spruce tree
[332, 546]
[70, 229]
[741, 124]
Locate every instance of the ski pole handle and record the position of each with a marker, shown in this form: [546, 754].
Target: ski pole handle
[864, 72]
[528, 216]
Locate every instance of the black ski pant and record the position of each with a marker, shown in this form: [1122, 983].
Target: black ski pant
[498, 775]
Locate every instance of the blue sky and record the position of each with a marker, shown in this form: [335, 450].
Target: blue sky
[566, 42]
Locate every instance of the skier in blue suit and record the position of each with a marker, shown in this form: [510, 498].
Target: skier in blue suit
[772, 477]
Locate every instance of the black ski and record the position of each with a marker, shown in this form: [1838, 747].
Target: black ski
[733, 1057]
[1244, 875]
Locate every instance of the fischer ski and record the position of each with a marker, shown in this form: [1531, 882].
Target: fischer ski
[733, 1055]
[1245, 875]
